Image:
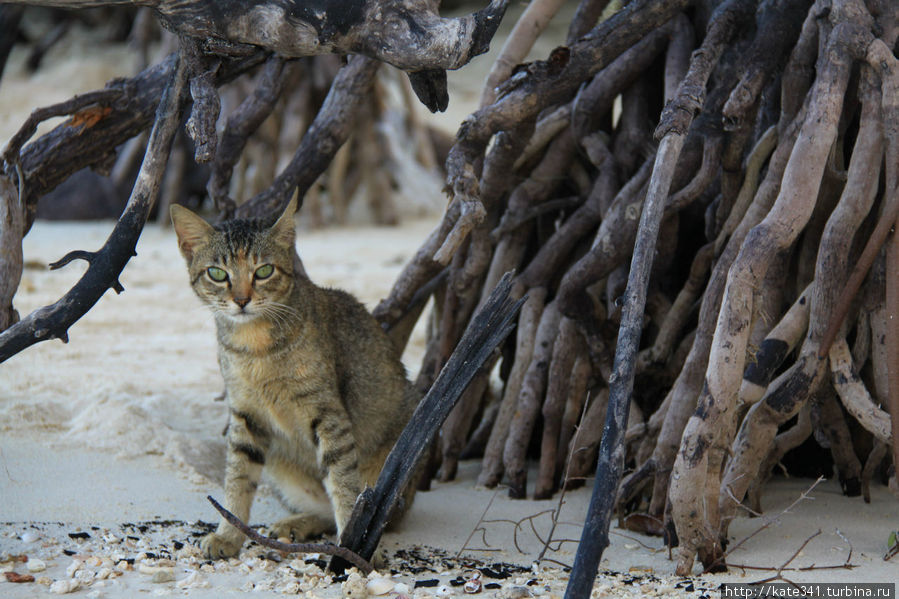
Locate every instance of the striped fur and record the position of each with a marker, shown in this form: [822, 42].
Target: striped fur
[317, 392]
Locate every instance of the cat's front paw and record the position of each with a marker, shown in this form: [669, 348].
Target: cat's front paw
[302, 527]
[217, 546]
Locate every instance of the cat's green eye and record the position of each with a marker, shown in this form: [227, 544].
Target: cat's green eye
[217, 274]
[264, 271]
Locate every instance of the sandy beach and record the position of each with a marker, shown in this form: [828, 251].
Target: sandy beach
[110, 444]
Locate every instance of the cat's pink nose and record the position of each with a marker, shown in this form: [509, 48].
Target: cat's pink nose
[242, 301]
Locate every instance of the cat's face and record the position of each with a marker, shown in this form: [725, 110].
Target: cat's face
[240, 269]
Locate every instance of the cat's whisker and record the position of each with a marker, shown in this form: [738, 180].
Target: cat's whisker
[280, 314]
[266, 312]
[282, 310]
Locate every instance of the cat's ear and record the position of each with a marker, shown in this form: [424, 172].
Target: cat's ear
[284, 228]
[193, 232]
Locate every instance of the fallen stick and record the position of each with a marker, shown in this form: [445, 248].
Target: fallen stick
[327, 548]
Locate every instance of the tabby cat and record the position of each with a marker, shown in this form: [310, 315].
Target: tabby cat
[316, 389]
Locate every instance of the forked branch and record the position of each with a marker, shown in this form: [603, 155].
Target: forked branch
[53, 321]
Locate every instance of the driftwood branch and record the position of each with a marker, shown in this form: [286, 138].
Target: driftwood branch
[489, 327]
[53, 321]
[82, 142]
[12, 227]
[409, 34]
[238, 128]
[327, 133]
[327, 548]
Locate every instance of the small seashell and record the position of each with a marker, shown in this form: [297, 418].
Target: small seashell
[147, 569]
[61, 587]
[74, 567]
[36, 565]
[193, 581]
[472, 586]
[163, 575]
[401, 588]
[379, 586]
[519, 592]
[30, 536]
[354, 586]
[85, 577]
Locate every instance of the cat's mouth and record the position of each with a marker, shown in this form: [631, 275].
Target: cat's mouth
[238, 314]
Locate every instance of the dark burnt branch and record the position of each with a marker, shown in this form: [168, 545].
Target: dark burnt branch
[88, 257]
[409, 34]
[53, 321]
[53, 157]
[488, 328]
[330, 129]
[255, 108]
[595, 535]
[430, 87]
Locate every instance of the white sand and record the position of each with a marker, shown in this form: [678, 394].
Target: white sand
[120, 426]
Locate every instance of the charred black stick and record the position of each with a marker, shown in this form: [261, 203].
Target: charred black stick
[594, 538]
[53, 321]
[487, 330]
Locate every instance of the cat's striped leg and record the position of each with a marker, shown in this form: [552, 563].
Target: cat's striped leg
[247, 443]
[339, 461]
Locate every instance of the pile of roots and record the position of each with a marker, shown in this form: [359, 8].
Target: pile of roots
[776, 161]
